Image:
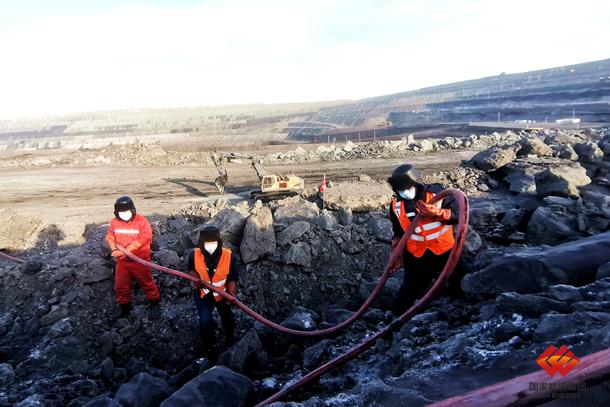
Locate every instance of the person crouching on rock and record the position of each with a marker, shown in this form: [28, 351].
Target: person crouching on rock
[215, 264]
[133, 232]
[429, 247]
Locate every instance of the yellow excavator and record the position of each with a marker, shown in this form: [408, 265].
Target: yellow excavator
[274, 186]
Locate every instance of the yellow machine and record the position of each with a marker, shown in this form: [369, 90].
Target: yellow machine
[274, 186]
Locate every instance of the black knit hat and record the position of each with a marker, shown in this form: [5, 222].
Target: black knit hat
[209, 233]
[122, 204]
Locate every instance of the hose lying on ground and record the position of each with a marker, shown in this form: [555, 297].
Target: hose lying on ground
[456, 251]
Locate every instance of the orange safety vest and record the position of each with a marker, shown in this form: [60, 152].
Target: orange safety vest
[220, 275]
[432, 235]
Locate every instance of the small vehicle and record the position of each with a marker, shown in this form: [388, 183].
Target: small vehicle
[274, 186]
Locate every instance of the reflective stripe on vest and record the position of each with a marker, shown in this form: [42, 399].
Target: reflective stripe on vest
[219, 278]
[127, 231]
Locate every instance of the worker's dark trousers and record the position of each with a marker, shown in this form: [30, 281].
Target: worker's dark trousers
[207, 325]
[420, 273]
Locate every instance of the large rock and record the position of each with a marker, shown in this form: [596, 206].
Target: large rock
[553, 327]
[535, 146]
[18, 232]
[316, 353]
[293, 209]
[562, 180]
[94, 274]
[495, 157]
[326, 220]
[143, 390]
[550, 225]
[298, 254]
[293, 232]
[231, 224]
[167, 258]
[589, 152]
[381, 228]
[603, 271]
[7, 375]
[358, 196]
[529, 304]
[216, 387]
[532, 270]
[259, 236]
[245, 354]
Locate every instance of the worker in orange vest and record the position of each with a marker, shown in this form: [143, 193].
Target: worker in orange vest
[133, 232]
[215, 264]
[428, 248]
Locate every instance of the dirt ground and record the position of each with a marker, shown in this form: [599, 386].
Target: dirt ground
[80, 196]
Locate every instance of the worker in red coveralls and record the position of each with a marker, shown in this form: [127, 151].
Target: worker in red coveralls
[133, 232]
[321, 193]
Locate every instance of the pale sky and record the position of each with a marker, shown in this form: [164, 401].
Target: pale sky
[81, 55]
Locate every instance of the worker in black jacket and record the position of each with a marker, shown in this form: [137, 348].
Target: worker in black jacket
[217, 265]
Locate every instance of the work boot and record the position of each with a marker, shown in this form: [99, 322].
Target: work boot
[122, 311]
[155, 310]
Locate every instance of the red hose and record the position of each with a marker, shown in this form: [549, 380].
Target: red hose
[454, 257]
[11, 258]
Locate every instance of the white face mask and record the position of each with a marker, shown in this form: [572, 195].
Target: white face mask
[126, 215]
[408, 193]
[210, 247]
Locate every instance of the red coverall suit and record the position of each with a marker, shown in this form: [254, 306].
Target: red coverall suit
[138, 234]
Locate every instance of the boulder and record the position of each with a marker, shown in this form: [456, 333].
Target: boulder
[553, 327]
[565, 152]
[294, 209]
[18, 232]
[301, 320]
[345, 216]
[562, 180]
[94, 274]
[565, 293]
[218, 386]
[231, 224]
[7, 375]
[326, 220]
[589, 152]
[473, 242]
[603, 271]
[495, 157]
[298, 254]
[381, 229]
[245, 354]
[529, 305]
[143, 390]
[259, 236]
[550, 225]
[316, 353]
[534, 269]
[293, 232]
[535, 146]
[167, 258]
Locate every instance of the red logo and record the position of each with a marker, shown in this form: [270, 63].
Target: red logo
[555, 360]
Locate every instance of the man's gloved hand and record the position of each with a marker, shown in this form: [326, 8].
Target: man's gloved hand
[198, 285]
[396, 266]
[231, 289]
[433, 211]
[117, 254]
[135, 245]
